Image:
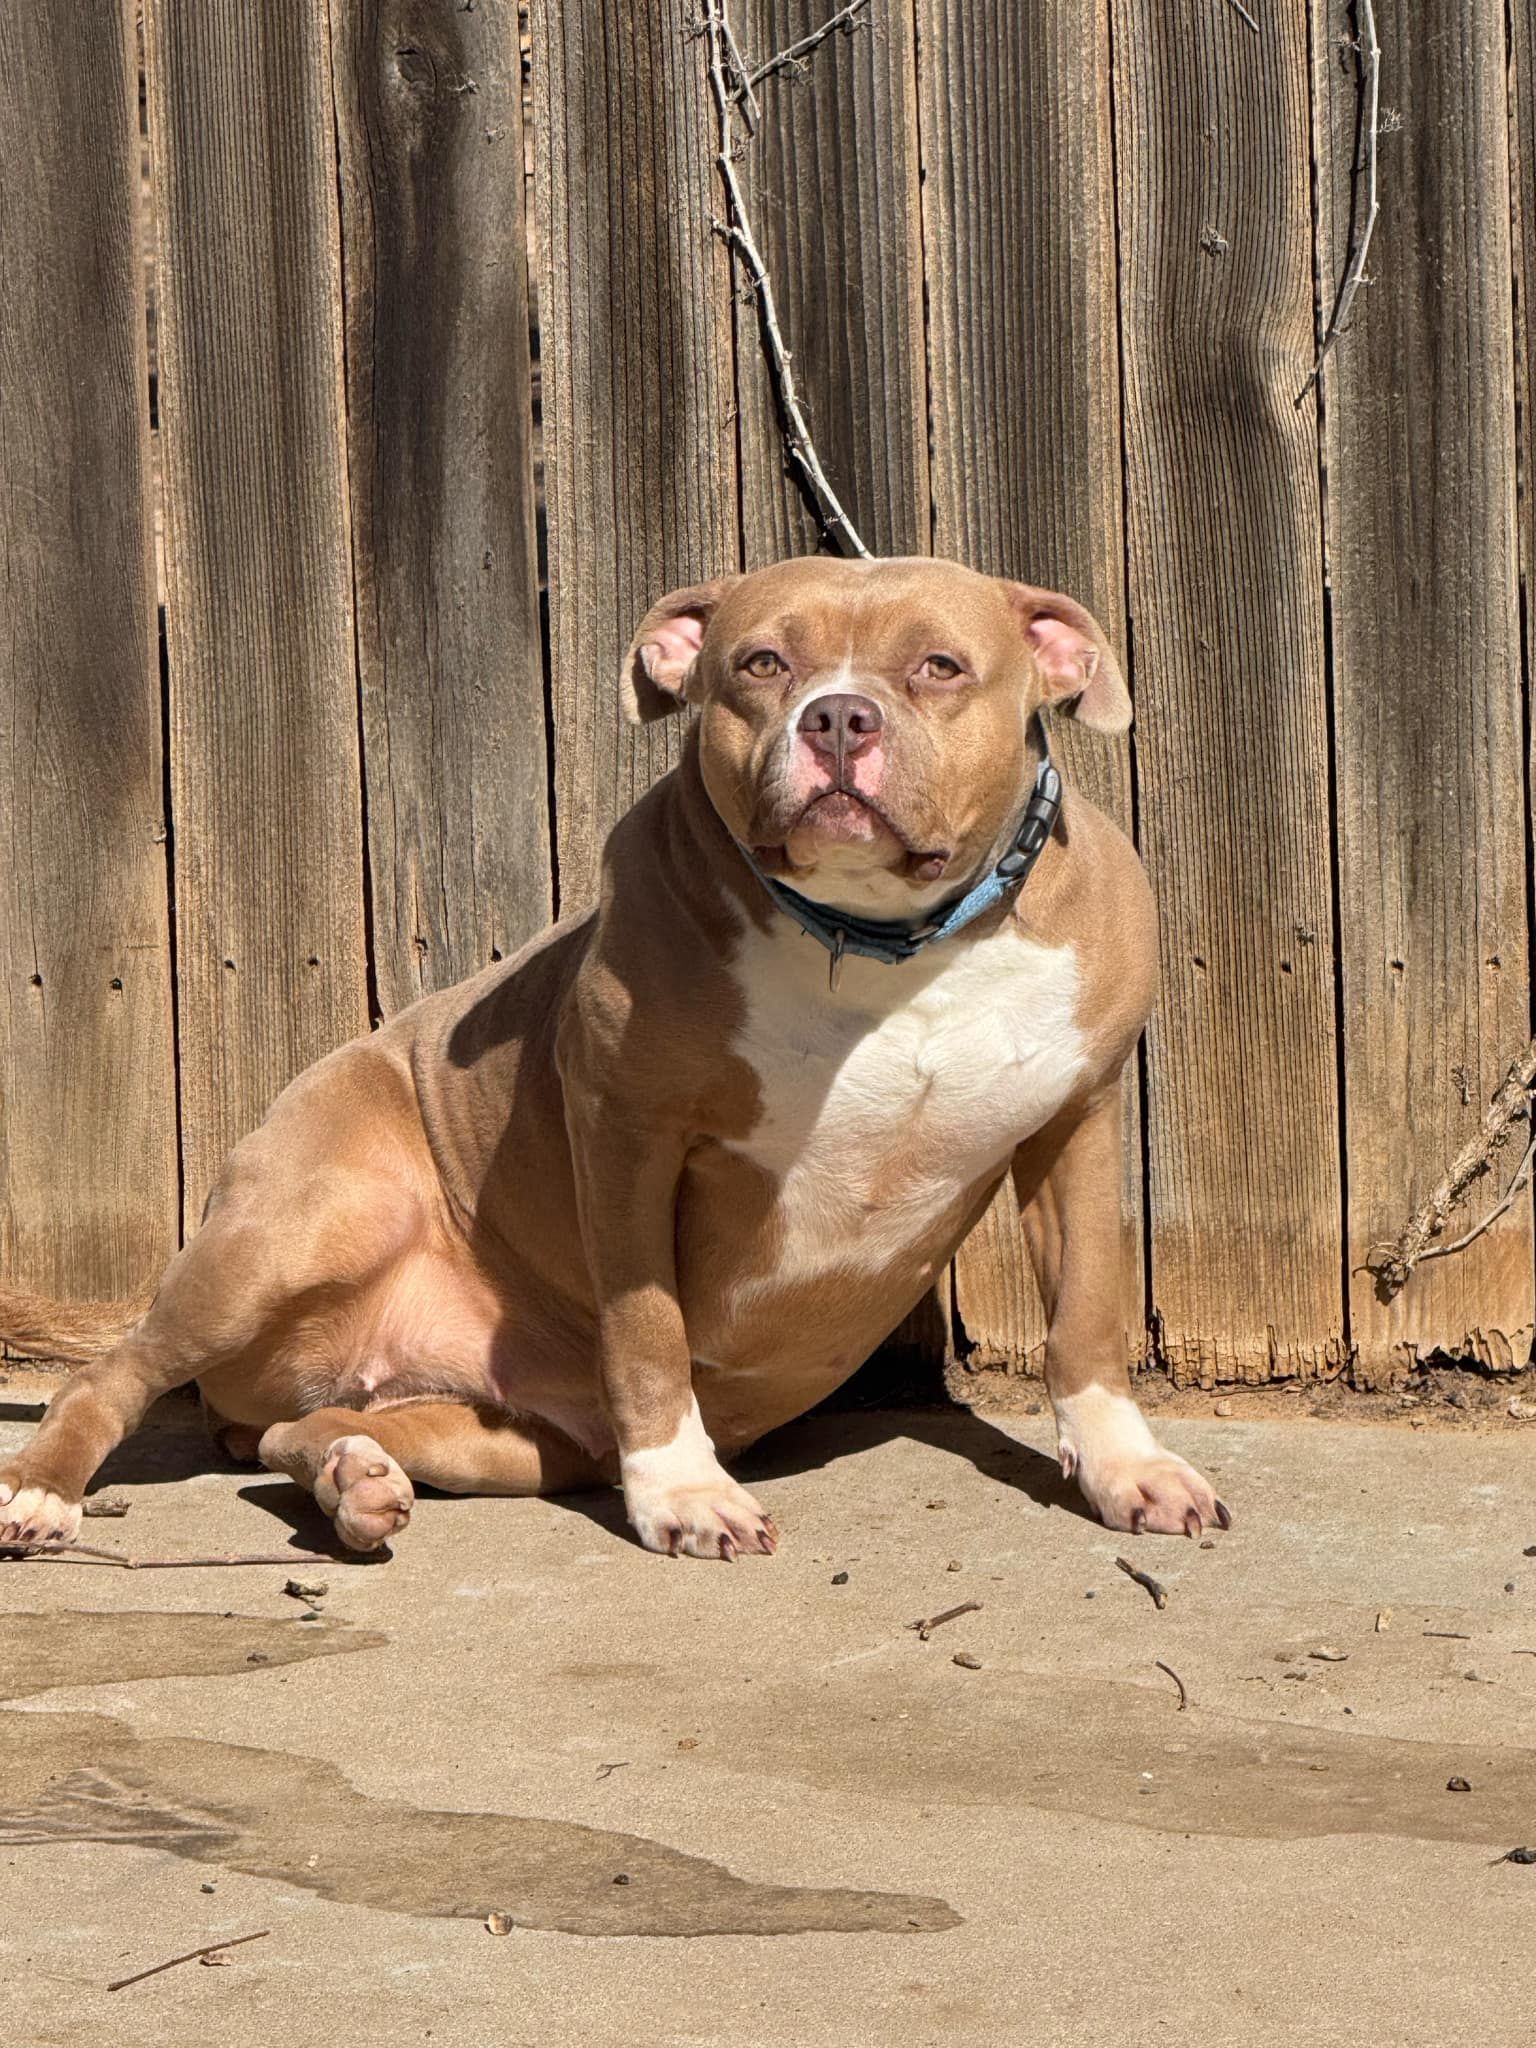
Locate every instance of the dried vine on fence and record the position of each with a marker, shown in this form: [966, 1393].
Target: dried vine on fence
[1393, 1264]
[732, 82]
[1362, 221]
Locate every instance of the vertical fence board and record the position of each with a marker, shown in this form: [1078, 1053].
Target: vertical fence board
[1018, 196]
[1225, 588]
[1421, 474]
[832, 181]
[87, 1102]
[635, 312]
[440, 422]
[264, 761]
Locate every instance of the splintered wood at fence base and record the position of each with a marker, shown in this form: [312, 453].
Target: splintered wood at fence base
[635, 313]
[1019, 213]
[87, 1105]
[845, 255]
[1192, 1360]
[1225, 552]
[440, 420]
[263, 715]
[1420, 410]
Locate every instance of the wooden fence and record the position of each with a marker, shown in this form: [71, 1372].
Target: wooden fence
[1053, 273]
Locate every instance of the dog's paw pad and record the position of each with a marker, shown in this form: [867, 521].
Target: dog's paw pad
[364, 1492]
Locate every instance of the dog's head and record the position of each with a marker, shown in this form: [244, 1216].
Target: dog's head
[863, 724]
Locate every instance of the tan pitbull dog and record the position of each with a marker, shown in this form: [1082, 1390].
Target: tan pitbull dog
[616, 1207]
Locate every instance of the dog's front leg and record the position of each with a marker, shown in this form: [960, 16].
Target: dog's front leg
[677, 1494]
[1068, 1182]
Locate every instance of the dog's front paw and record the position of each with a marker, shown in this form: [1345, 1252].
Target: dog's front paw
[682, 1501]
[717, 1518]
[34, 1512]
[1153, 1496]
[1126, 1476]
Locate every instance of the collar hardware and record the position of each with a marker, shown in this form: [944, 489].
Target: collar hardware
[890, 941]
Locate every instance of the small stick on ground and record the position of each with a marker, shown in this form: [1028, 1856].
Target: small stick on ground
[1238, 8]
[112, 1505]
[926, 1628]
[1447, 1635]
[1158, 1591]
[33, 1553]
[607, 1770]
[192, 1955]
[1183, 1695]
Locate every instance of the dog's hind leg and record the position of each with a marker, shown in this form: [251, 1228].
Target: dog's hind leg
[269, 1254]
[359, 1463]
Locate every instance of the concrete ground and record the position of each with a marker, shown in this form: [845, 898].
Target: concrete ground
[748, 1805]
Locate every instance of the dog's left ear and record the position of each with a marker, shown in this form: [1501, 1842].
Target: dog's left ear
[654, 678]
[1076, 662]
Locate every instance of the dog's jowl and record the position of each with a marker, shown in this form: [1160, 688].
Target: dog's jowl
[616, 1207]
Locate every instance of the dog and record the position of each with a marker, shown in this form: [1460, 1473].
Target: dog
[615, 1208]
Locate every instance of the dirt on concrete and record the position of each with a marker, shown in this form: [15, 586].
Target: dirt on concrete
[749, 1804]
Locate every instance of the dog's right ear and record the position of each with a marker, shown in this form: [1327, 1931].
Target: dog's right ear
[654, 678]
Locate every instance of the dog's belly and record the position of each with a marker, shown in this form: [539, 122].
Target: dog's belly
[884, 1110]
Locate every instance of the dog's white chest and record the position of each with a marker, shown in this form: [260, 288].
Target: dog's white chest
[882, 1105]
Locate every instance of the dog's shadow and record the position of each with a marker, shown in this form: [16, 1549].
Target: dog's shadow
[175, 1445]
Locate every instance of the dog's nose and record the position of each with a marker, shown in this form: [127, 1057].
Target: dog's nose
[841, 726]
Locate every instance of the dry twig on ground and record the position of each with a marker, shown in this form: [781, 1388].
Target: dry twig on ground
[732, 82]
[926, 1627]
[193, 1955]
[1183, 1695]
[1153, 1586]
[33, 1553]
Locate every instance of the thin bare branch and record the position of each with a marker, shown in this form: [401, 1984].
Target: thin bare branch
[33, 1553]
[1392, 1264]
[736, 229]
[791, 57]
[1368, 57]
[1511, 1195]
[742, 91]
[193, 1955]
[1238, 8]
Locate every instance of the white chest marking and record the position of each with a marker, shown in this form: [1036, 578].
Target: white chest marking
[884, 1103]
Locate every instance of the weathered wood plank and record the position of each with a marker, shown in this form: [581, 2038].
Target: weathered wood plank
[440, 427]
[1426, 646]
[1018, 197]
[87, 1090]
[635, 325]
[832, 180]
[1224, 542]
[264, 758]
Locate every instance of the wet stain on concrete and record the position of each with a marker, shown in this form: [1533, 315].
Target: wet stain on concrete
[1117, 1752]
[39, 1652]
[297, 1819]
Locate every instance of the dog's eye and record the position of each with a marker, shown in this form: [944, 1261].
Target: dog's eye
[763, 664]
[939, 668]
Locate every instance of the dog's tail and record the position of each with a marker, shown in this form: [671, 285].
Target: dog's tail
[73, 1330]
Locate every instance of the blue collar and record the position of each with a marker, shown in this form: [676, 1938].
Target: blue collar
[890, 941]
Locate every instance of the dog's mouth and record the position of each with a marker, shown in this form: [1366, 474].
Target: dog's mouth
[841, 817]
